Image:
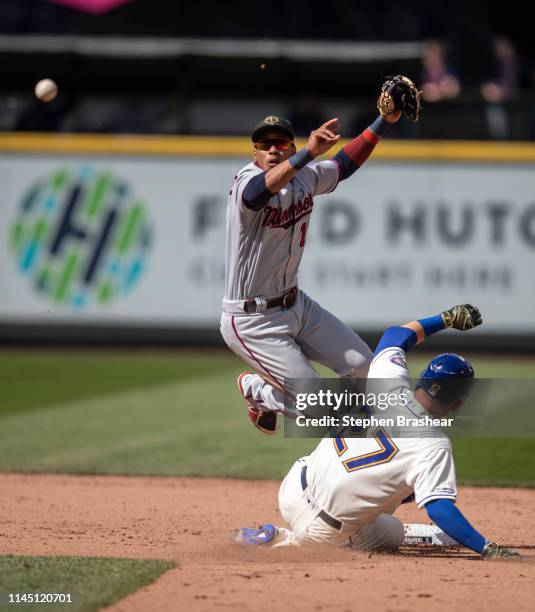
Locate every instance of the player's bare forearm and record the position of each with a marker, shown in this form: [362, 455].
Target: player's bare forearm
[417, 328]
[319, 142]
[262, 187]
[279, 176]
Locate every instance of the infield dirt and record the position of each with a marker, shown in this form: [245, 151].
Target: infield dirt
[191, 522]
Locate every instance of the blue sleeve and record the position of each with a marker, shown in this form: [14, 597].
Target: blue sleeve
[405, 338]
[346, 166]
[256, 194]
[432, 325]
[402, 337]
[451, 520]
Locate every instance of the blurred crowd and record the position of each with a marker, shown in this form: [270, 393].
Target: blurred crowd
[442, 82]
[498, 106]
[477, 84]
[495, 101]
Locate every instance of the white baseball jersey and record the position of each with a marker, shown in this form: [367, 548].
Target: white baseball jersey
[264, 248]
[356, 479]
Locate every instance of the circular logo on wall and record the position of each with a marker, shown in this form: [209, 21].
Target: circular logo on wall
[81, 237]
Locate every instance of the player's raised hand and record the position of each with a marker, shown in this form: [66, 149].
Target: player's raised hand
[463, 317]
[322, 139]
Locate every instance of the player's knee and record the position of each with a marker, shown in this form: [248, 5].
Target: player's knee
[392, 532]
[385, 533]
[356, 364]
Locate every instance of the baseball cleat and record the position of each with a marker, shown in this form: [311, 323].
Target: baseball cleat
[263, 535]
[264, 421]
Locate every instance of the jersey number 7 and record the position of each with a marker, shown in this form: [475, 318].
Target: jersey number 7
[387, 451]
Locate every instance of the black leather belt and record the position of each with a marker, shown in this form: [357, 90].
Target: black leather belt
[286, 300]
[327, 518]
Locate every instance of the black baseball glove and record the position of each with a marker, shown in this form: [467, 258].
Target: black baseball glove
[399, 93]
[463, 317]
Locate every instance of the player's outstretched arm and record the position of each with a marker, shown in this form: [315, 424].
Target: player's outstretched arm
[462, 317]
[451, 520]
[353, 155]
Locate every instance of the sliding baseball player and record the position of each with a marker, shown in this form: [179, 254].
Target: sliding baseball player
[345, 492]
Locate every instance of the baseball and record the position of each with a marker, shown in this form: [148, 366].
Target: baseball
[46, 90]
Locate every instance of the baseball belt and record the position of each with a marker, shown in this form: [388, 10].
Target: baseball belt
[286, 300]
[327, 518]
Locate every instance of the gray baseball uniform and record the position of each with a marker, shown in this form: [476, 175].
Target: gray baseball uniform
[263, 253]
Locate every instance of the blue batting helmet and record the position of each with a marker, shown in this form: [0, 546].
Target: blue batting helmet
[447, 378]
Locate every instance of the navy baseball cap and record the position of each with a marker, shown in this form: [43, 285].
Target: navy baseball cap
[272, 122]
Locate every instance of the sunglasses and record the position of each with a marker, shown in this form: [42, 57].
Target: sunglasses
[280, 145]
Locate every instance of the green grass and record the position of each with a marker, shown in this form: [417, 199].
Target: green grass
[495, 462]
[93, 582]
[35, 379]
[196, 425]
[181, 414]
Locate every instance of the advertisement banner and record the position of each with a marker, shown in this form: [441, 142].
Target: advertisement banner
[140, 240]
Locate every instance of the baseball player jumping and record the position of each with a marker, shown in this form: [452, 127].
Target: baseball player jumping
[345, 492]
[267, 320]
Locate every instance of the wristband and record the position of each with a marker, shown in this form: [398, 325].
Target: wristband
[380, 126]
[301, 158]
[431, 325]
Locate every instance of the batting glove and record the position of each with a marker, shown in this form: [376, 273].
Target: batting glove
[463, 317]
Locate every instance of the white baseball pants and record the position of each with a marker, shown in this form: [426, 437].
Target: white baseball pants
[308, 529]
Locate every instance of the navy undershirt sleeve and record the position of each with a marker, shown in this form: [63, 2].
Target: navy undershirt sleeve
[346, 166]
[256, 194]
[451, 520]
[402, 337]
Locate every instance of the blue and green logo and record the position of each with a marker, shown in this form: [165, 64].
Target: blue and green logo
[81, 237]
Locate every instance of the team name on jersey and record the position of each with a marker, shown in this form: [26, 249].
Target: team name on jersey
[286, 217]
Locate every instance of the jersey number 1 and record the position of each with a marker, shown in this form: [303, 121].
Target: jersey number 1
[303, 234]
[387, 450]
